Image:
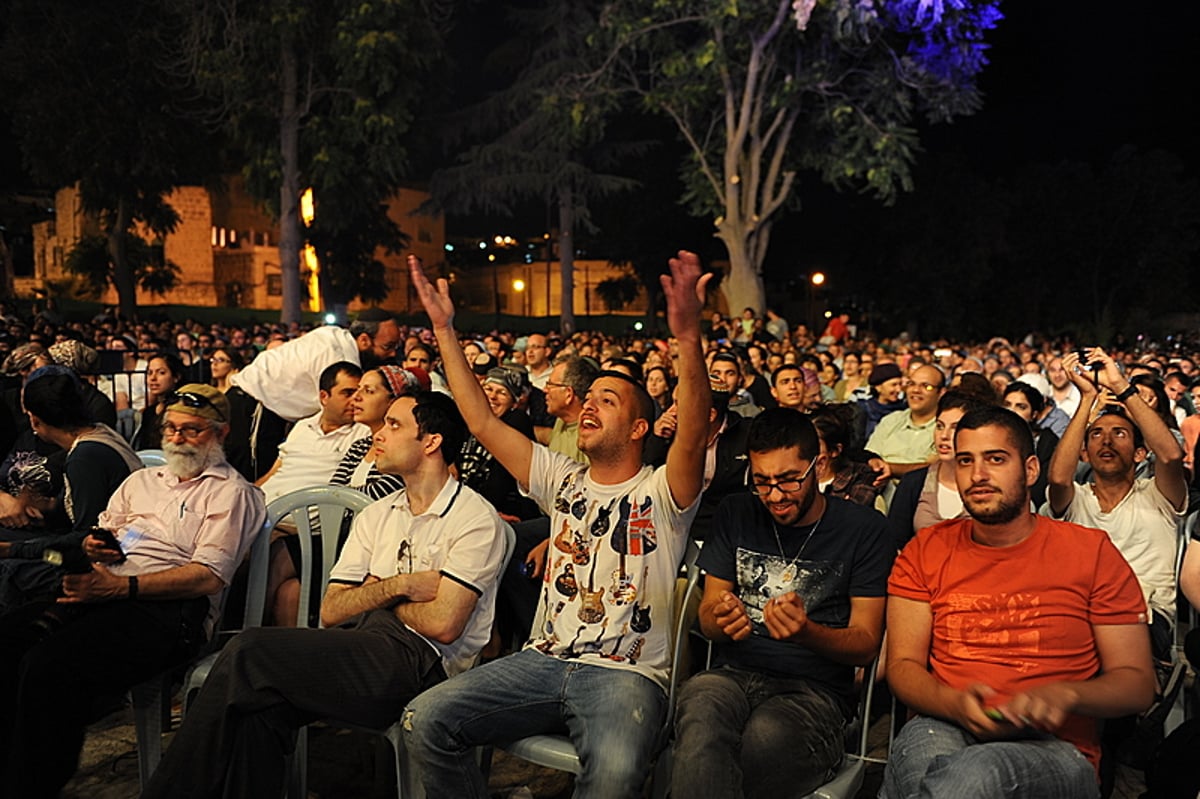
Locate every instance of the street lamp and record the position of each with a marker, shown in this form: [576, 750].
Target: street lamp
[815, 281]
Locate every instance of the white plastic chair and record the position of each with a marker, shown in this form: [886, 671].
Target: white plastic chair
[152, 457]
[151, 699]
[557, 751]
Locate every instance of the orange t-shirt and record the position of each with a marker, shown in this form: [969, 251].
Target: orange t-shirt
[1017, 617]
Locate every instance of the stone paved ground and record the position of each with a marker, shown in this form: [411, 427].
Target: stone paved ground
[350, 765]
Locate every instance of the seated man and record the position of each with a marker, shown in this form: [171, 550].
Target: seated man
[1139, 514]
[793, 597]
[597, 660]
[1009, 635]
[182, 530]
[316, 445]
[904, 439]
[414, 589]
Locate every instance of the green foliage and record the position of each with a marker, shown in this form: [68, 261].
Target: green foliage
[362, 68]
[91, 260]
[91, 105]
[617, 292]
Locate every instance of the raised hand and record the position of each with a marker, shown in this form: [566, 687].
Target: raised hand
[684, 290]
[1075, 368]
[436, 300]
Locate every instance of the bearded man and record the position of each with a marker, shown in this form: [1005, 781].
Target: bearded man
[141, 606]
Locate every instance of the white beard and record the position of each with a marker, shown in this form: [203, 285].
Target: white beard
[188, 460]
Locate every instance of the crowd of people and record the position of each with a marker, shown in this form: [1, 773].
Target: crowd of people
[1009, 512]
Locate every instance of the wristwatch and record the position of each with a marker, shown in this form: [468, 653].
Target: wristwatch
[1129, 391]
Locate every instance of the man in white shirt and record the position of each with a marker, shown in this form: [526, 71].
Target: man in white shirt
[1139, 515]
[284, 379]
[317, 444]
[537, 360]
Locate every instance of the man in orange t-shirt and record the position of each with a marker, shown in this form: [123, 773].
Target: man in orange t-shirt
[1009, 634]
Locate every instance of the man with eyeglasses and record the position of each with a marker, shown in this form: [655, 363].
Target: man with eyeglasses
[793, 599]
[537, 360]
[284, 379]
[180, 531]
[904, 439]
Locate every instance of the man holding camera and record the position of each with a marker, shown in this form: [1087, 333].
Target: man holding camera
[140, 606]
[1113, 430]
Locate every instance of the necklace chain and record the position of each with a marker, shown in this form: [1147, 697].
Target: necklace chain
[788, 571]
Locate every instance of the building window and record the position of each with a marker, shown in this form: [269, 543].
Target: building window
[274, 285]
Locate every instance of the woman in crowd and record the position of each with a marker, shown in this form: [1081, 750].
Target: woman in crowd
[477, 468]
[658, 386]
[930, 495]
[224, 364]
[164, 374]
[1027, 402]
[97, 460]
[376, 391]
[838, 475]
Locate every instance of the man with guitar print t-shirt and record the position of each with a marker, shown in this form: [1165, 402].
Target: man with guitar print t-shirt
[598, 656]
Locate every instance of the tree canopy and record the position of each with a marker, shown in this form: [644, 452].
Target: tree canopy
[91, 106]
[762, 91]
[319, 95]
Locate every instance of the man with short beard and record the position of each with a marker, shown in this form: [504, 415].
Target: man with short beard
[182, 529]
[793, 598]
[1009, 635]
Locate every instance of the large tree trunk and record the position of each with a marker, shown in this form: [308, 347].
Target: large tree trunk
[123, 277]
[566, 258]
[289, 190]
[743, 287]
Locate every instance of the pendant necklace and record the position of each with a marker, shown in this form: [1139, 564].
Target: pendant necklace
[789, 572]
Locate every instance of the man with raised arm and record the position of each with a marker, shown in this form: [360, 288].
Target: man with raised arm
[1139, 515]
[596, 664]
[1009, 636]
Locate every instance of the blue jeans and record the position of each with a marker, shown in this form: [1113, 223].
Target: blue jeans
[739, 733]
[613, 717]
[933, 758]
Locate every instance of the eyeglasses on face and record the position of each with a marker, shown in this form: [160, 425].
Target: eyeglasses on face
[764, 489]
[188, 431]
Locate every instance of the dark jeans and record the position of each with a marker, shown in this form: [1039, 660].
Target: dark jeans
[739, 733]
[55, 660]
[268, 682]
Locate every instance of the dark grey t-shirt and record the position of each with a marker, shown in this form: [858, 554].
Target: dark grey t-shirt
[850, 554]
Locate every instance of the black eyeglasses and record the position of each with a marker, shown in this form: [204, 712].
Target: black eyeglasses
[191, 399]
[784, 486]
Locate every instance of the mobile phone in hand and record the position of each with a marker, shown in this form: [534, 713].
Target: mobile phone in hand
[109, 539]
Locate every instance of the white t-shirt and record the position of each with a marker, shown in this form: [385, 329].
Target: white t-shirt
[1142, 527]
[285, 379]
[609, 589]
[309, 456]
[459, 535]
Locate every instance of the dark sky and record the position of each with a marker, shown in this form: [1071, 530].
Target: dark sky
[1077, 80]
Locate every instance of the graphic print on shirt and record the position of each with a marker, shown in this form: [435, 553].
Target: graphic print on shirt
[760, 576]
[979, 624]
[634, 535]
[615, 617]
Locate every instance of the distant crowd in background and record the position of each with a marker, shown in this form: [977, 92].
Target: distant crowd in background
[1114, 432]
